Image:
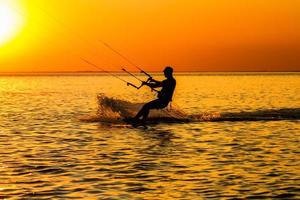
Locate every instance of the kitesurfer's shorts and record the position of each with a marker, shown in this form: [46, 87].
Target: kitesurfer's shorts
[156, 104]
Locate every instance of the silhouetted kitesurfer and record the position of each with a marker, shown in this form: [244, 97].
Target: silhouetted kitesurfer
[164, 96]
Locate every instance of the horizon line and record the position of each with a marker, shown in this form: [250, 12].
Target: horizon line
[135, 71]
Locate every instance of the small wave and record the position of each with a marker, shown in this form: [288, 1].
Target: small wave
[112, 110]
[262, 115]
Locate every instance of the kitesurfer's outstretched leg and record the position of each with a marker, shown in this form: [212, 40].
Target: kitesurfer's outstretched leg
[144, 112]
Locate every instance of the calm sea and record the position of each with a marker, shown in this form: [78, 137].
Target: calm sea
[47, 152]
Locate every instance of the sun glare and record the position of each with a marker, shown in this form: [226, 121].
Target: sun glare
[10, 22]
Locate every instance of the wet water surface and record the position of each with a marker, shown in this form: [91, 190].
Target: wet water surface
[46, 151]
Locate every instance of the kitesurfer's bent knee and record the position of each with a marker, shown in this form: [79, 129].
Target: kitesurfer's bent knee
[155, 104]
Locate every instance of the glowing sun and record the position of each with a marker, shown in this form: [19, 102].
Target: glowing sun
[10, 22]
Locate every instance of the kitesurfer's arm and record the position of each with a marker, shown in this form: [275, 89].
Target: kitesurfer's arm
[155, 84]
[151, 80]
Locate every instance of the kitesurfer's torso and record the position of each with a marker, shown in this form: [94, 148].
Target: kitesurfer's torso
[167, 91]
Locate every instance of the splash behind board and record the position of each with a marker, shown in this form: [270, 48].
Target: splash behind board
[112, 111]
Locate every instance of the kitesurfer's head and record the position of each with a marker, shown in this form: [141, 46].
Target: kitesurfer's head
[168, 71]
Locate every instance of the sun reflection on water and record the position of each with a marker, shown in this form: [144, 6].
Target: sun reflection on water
[46, 152]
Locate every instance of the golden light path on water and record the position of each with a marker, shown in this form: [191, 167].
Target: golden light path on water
[46, 151]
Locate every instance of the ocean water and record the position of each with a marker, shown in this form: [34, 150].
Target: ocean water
[48, 152]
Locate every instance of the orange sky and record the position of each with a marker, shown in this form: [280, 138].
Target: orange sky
[191, 35]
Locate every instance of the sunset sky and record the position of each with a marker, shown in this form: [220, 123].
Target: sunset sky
[191, 35]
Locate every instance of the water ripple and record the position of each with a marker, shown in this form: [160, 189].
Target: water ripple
[47, 153]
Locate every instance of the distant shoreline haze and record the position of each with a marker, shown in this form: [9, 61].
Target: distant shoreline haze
[151, 72]
[135, 71]
[145, 69]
